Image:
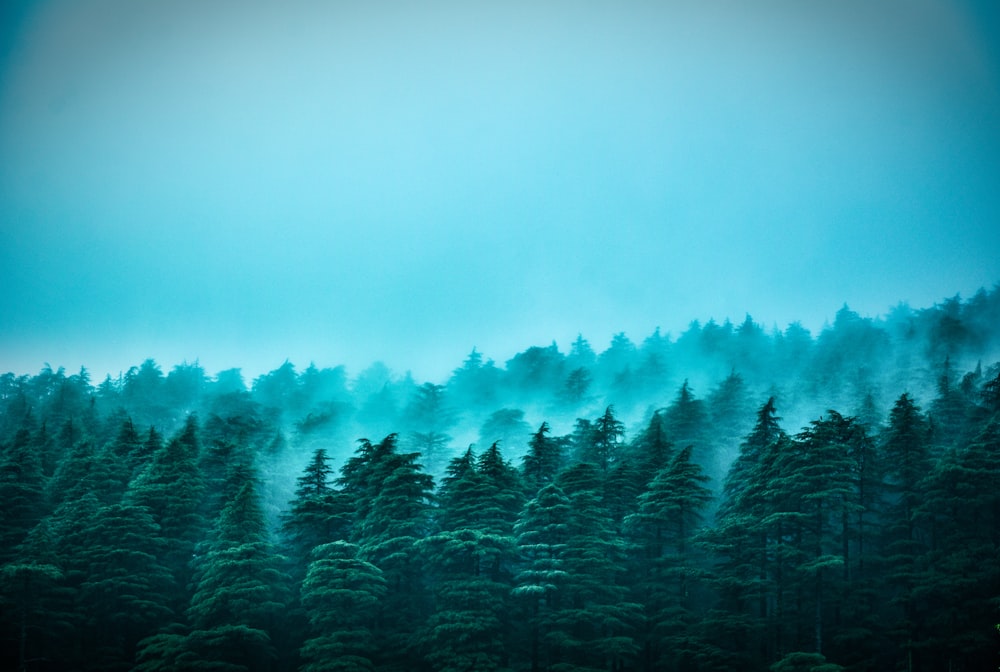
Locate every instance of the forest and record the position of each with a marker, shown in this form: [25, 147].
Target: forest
[734, 497]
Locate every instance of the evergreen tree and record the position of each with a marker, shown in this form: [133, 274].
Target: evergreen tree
[469, 562]
[741, 542]
[393, 497]
[31, 586]
[21, 491]
[958, 577]
[595, 621]
[127, 444]
[501, 499]
[543, 460]
[622, 487]
[686, 422]
[665, 573]
[240, 591]
[767, 429]
[341, 595]
[46, 450]
[430, 416]
[949, 411]
[575, 388]
[542, 533]
[458, 490]
[607, 436]
[143, 456]
[124, 591]
[320, 513]
[476, 382]
[905, 451]
[817, 499]
[731, 414]
[171, 488]
[651, 450]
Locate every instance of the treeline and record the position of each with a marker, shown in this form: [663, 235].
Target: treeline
[175, 522]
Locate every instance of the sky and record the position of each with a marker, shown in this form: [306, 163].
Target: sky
[241, 183]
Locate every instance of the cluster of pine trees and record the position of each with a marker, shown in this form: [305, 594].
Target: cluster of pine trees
[183, 522]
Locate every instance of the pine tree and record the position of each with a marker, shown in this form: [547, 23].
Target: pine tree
[686, 424]
[393, 498]
[125, 592]
[765, 432]
[818, 497]
[126, 445]
[319, 514]
[742, 544]
[543, 461]
[341, 595]
[665, 571]
[171, 488]
[905, 450]
[456, 495]
[30, 587]
[575, 388]
[731, 414]
[949, 411]
[595, 621]
[652, 449]
[542, 533]
[959, 578]
[240, 591]
[469, 562]
[21, 491]
[501, 499]
[430, 416]
[608, 433]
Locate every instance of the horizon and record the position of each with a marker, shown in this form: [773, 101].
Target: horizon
[251, 372]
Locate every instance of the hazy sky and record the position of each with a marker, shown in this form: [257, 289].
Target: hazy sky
[340, 182]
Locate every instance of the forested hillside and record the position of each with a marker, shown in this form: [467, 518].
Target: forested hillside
[732, 498]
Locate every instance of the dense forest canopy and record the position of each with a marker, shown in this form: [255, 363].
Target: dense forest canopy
[734, 497]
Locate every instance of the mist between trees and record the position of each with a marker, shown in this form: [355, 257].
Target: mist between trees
[732, 498]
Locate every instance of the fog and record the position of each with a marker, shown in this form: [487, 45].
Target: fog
[247, 183]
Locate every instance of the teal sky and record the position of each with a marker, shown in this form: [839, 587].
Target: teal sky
[340, 182]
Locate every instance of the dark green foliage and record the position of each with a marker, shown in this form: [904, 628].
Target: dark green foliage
[240, 593]
[543, 460]
[319, 514]
[341, 595]
[393, 499]
[858, 543]
[21, 491]
[686, 420]
[542, 532]
[765, 432]
[123, 591]
[651, 450]
[664, 569]
[594, 622]
[957, 582]
[469, 561]
[608, 433]
[33, 600]
[171, 488]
